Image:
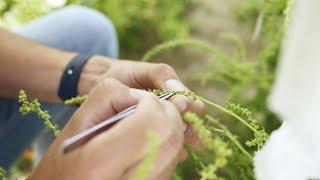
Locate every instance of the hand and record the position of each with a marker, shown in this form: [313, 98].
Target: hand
[134, 74]
[115, 154]
[142, 75]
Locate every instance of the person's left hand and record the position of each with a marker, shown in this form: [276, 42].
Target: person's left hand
[141, 75]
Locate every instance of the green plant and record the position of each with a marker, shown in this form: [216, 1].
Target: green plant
[27, 10]
[76, 100]
[141, 18]
[215, 143]
[248, 81]
[134, 19]
[3, 174]
[5, 6]
[34, 106]
[240, 75]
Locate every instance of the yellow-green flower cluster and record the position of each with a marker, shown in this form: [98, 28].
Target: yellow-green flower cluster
[27, 107]
[260, 136]
[214, 144]
[208, 172]
[189, 94]
[243, 112]
[76, 101]
[235, 110]
[224, 130]
[157, 92]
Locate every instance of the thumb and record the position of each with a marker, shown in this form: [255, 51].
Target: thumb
[156, 76]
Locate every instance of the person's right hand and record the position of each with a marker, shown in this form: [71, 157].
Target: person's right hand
[115, 153]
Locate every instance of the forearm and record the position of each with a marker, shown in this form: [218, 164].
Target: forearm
[32, 66]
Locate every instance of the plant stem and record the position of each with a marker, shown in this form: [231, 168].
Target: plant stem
[179, 42]
[226, 111]
[229, 136]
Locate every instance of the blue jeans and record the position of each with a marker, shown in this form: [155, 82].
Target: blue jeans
[73, 28]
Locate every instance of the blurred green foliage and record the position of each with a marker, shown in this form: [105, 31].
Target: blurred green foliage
[143, 23]
[139, 23]
[248, 81]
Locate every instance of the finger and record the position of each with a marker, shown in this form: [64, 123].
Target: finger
[169, 107]
[171, 111]
[107, 98]
[147, 75]
[184, 105]
[156, 76]
[169, 152]
[168, 157]
[181, 102]
[167, 173]
[191, 136]
[128, 137]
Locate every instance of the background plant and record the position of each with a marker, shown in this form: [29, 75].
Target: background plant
[247, 79]
[34, 106]
[136, 21]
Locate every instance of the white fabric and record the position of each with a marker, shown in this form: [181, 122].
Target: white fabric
[293, 151]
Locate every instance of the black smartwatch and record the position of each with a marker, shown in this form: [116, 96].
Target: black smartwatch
[68, 87]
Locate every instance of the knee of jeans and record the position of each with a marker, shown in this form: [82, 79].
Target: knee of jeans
[96, 28]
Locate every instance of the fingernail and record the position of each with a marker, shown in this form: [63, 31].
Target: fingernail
[138, 93]
[174, 85]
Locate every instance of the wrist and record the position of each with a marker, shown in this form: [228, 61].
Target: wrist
[92, 72]
[53, 71]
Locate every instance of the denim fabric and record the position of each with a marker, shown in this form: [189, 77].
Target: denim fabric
[73, 28]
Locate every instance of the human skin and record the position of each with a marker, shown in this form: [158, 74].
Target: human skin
[115, 154]
[37, 68]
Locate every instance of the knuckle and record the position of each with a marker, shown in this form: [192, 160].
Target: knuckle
[162, 121]
[172, 108]
[172, 114]
[108, 84]
[150, 109]
[157, 117]
[175, 141]
[109, 81]
[152, 103]
[197, 107]
[152, 120]
[164, 69]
